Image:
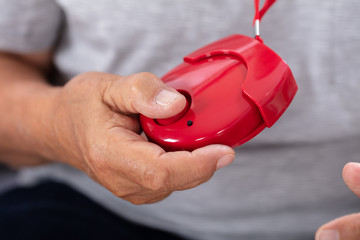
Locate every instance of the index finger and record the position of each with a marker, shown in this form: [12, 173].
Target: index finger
[351, 175]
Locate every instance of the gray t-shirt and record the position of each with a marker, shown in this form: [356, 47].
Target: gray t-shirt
[284, 183]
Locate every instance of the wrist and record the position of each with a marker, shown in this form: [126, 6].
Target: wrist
[27, 125]
[42, 127]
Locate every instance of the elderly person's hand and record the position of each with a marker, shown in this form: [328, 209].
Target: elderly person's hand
[346, 227]
[96, 129]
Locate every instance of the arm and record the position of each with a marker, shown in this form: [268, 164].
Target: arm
[25, 105]
[92, 124]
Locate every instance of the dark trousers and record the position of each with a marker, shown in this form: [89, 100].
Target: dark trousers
[55, 211]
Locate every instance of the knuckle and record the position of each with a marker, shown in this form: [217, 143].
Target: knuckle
[156, 179]
[125, 190]
[144, 75]
[118, 193]
[138, 81]
[205, 171]
[137, 201]
[97, 160]
[123, 194]
[135, 86]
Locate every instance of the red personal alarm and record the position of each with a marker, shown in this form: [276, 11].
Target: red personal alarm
[234, 87]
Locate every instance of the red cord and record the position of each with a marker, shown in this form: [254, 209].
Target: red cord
[260, 13]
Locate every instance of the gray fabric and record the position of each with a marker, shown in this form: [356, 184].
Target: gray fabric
[43, 17]
[284, 183]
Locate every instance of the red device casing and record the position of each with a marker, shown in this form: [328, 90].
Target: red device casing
[235, 87]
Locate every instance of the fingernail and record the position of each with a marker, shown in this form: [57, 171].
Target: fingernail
[165, 97]
[329, 234]
[224, 161]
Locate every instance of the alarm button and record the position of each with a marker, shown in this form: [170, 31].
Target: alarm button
[168, 121]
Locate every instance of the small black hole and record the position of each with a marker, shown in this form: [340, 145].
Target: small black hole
[189, 123]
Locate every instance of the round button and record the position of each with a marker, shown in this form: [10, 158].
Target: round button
[168, 121]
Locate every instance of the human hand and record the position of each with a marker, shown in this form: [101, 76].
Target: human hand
[96, 129]
[346, 227]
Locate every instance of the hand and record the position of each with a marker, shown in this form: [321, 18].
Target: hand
[346, 227]
[96, 129]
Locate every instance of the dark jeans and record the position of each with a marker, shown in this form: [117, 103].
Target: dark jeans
[54, 211]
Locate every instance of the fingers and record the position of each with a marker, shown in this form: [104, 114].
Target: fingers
[146, 197]
[151, 172]
[146, 94]
[187, 170]
[351, 175]
[157, 170]
[344, 228]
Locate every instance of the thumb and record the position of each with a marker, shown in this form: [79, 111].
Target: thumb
[146, 94]
[344, 228]
[347, 227]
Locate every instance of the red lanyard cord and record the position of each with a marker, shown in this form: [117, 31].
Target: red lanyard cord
[259, 14]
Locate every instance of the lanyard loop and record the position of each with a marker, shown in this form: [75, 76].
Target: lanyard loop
[259, 14]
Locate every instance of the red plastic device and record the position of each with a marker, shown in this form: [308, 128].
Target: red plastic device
[235, 87]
